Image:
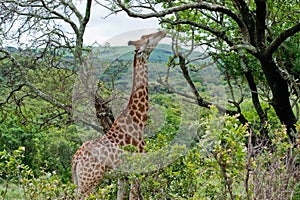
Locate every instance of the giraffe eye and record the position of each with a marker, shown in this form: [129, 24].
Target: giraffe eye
[140, 53]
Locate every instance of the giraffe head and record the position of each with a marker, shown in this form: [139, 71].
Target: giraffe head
[147, 43]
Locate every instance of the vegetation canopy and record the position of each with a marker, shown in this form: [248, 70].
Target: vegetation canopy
[230, 74]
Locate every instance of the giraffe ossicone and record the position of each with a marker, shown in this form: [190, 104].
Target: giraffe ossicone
[96, 157]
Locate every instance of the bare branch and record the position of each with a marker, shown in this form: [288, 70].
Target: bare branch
[87, 13]
[60, 16]
[186, 75]
[27, 83]
[173, 90]
[47, 97]
[18, 88]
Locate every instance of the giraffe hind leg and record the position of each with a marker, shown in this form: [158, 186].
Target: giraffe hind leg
[87, 179]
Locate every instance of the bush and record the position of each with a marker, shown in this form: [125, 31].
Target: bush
[221, 164]
[19, 182]
[224, 165]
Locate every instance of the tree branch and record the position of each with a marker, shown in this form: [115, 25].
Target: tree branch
[87, 13]
[60, 16]
[200, 101]
[47, 97]
[248, 47]
[219, 34]
[34, 88]
[187, 77]
[261, 12]
[183, 7]
[247, 19]
[281, 38]
[18, 88]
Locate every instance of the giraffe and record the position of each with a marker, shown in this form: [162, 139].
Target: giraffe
[97, 156]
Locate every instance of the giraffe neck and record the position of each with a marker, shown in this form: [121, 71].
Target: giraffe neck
[138, 101]
[140, 73]
[129, 126]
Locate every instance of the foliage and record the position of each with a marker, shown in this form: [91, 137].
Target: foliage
[47, 186]
[51, 148]
[38, 136]
[253, 43]
[223, 165]
[20, 182]
[219, 167]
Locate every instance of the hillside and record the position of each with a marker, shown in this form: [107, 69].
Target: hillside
[115, 63]
[160, 54]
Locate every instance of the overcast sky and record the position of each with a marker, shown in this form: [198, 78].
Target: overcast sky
[116, 29]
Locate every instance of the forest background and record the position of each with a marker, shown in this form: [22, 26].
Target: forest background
[224, 97]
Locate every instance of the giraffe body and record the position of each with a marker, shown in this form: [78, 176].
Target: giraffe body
[101, 154]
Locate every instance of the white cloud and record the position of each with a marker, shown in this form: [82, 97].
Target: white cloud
[116, 28]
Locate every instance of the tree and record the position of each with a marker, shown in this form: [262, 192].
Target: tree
[254, 32]
[48, 37]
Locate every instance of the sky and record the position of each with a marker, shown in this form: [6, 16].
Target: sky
[117, 29]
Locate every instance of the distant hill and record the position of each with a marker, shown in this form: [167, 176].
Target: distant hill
[113, 66]
[160, 54]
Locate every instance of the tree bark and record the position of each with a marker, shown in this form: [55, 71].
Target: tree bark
[103, 113]
[279, 87]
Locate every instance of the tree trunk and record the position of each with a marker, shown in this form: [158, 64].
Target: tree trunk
[280, 91]
[103, 113]
[264, 137]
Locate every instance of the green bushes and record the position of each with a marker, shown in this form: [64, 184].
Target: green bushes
[50, 148]
[221, 164]
[19, 182]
